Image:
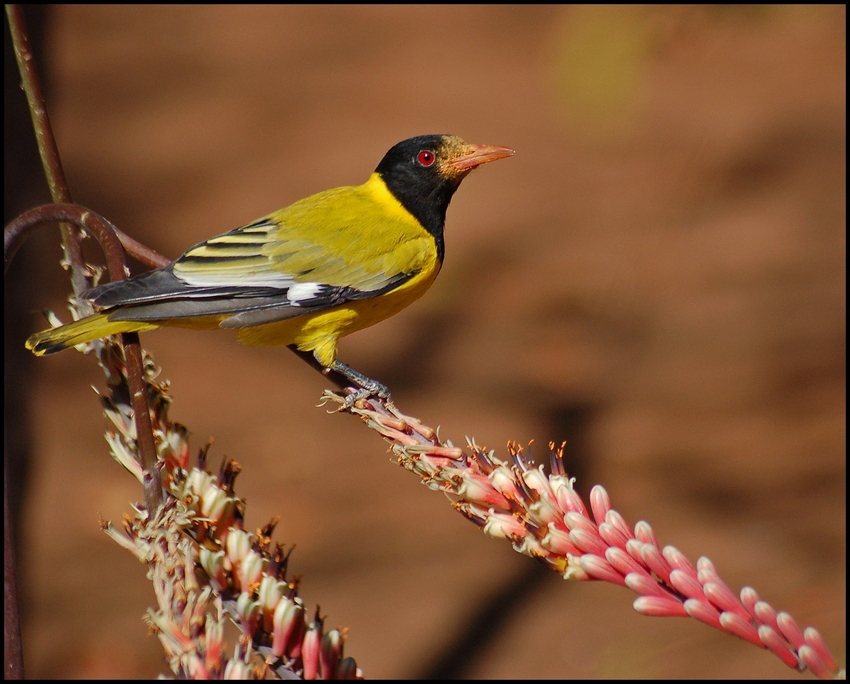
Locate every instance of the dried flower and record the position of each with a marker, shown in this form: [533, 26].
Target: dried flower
[206, 568]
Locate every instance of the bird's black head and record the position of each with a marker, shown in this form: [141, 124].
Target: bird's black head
[424, 172]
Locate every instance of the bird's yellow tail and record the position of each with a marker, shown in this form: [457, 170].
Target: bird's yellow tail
[84, 330]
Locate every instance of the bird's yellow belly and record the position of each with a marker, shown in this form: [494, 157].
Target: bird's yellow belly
[319, 332]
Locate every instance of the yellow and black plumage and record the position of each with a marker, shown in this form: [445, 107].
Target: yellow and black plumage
[323, 267]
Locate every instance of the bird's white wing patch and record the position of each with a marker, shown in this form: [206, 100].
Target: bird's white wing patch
[298, 292]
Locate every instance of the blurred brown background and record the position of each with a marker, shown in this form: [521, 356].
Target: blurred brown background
[657, 276]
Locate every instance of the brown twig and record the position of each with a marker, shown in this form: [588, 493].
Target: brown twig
[13, 656]
[105, 233]
[19, 228]
[141, 252]
[47, 149]
[72, 237]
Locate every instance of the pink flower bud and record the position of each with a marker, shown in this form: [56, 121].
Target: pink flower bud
[816, 641]
[658, 606]
[678, 560]
[310, 650]
[740, 627]
[612, 517]
[612, 536]
[269, 595]
[771, 638]
[813, 661]
[477, 488]
[600, 503]
[687, 585]
[568, 499]
[721, 596]
[330, 654]
[287, 615]
[790, 630]
[347, 669]
[624, 563]
[588, 542]
[749, 599]
[600, 569]
[644, 533]
[558, 542]
[766, 614]
[645, 586]
[575, 521]
[656, 562]
[703, 611]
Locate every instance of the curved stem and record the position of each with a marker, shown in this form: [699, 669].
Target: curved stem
[105, 233]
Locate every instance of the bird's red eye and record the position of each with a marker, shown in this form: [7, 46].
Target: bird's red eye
[426, 158]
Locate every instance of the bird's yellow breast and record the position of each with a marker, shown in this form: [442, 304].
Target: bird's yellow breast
[319, 332]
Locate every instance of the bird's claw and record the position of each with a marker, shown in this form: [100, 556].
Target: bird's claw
[378, 390]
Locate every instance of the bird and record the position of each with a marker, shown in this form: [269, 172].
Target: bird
[321, 268]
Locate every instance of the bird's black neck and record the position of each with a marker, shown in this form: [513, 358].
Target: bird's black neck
[426, 200]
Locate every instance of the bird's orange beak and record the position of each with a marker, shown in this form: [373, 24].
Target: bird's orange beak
[472, 156]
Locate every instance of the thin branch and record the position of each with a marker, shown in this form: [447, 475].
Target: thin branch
[20, 227]
[50, 160]
[72, 237]
[13, 656]
[16, 232]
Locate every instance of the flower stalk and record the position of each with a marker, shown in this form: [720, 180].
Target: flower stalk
[207, 570]
[544, 517]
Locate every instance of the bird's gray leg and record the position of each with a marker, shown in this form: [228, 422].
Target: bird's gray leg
[368, 386]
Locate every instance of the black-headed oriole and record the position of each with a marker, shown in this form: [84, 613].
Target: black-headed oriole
[323, 267]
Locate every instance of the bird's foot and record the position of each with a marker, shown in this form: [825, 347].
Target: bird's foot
[374, 390]
[364, 386]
